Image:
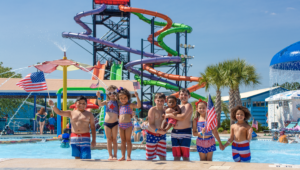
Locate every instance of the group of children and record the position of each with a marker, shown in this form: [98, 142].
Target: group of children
[119, 111]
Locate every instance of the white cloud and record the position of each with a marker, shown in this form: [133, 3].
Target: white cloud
[273, 13]
[290, 8]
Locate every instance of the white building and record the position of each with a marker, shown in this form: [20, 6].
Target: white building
[283, 107]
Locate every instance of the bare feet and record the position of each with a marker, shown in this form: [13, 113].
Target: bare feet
[122, 159]
[115, 158]
[128, 158]
[110, 158]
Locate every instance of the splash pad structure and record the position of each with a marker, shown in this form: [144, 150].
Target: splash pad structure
[284, 107]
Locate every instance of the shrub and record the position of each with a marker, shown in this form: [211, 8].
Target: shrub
[226, 124]
[220, 129]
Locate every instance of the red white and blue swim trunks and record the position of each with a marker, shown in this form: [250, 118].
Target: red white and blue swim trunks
[81, 145]
[155, 145]
[241, 151]
[181, 142]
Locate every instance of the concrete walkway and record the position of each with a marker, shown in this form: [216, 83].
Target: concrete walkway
[64, 164]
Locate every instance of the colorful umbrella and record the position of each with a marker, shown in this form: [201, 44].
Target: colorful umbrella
[64, 65]
[90, 105]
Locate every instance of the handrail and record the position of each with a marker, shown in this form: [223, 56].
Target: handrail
[59, 91]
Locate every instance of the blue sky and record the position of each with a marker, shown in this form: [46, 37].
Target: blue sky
[253, 30]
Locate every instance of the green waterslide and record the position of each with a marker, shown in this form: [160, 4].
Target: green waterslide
[116, 71]
[176, 28]
[166, 86]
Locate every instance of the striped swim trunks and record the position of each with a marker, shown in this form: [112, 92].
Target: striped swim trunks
[181, 142]
[155, 145]
[81, 145]
[241, 151]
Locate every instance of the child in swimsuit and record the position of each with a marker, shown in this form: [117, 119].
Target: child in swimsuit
[275, 137]
[137, 129]
[240, 134]
[65, 142]
[125, 123]
[206, 144]
[42, 115]
[111, 120]
[172, 108]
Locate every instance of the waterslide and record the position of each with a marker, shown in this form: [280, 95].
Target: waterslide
[116, 71]
[154, 58]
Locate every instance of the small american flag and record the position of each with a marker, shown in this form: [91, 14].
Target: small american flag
[93, 86]
[136, 85]
[211, 115]
[255, 123]
[33, 82]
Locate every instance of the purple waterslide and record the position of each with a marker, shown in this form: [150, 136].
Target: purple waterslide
[154, 57]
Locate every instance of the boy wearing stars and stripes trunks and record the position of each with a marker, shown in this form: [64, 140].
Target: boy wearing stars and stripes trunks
[156, 137]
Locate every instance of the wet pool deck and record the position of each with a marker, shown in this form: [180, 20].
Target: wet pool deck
[64, 164]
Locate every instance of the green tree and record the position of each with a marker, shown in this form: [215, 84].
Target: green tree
[237, 72]
[9, 104]
[289, 86]
[245, 75]
[212, 76]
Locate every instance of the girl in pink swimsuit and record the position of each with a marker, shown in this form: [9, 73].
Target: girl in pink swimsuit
[125, 124]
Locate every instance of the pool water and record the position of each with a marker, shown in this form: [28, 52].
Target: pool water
[261, 152]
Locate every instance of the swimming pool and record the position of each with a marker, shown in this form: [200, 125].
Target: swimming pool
[261, 152]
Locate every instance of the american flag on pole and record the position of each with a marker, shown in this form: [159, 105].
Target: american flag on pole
[136, 85]
[211, 115]
[255, 123]
[33, 82]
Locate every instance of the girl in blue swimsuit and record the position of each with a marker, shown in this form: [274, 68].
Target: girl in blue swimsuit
[137, 129]
[111, 120]
[42, 115]
[125, 123]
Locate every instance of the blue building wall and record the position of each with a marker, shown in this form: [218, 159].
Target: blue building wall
[257, 106]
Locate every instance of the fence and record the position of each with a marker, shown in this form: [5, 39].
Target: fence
[23, 126]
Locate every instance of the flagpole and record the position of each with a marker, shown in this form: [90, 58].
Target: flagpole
[48, 93]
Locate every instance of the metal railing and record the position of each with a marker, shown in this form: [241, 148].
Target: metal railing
[23, 126]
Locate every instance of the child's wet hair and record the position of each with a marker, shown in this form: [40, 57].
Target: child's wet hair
[172, 97]
[66, 130]
[124, 92]
[52, 115]
[242, 108]
[42, 110]
[184, 90]
[81, 98]
[160, 96]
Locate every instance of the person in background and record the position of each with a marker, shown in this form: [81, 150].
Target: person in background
[275, 137]
[144, 126]
[51, 123]
[65, 142]
[137, 129]
[42, 115]
[6, 118]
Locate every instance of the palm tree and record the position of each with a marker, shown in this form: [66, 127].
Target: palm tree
[212, 77]
[230, 80]
[246, 75]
